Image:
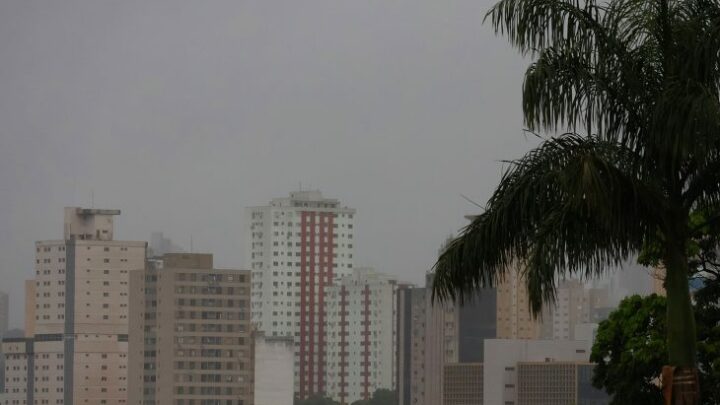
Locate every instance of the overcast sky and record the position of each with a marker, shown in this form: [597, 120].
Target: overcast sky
[182, 113]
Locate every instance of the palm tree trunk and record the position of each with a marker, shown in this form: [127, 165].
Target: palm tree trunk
[682, 386]
[682, 339]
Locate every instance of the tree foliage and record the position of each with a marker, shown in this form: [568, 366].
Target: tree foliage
[315, 400]
[381, 396]
[634, 85]
[630, 348]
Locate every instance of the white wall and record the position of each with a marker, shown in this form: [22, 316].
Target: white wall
[502, 356]
[274, 362]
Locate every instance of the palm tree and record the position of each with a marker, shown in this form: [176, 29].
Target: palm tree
[633, 85]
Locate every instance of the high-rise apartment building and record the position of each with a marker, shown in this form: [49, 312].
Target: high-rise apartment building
[77, 353]
[190, 334]
[360, 335]
[297, 246]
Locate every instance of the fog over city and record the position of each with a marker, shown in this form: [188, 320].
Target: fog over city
[183, 113]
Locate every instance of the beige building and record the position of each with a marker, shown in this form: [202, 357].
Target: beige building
[514, 319]
[190, 333]
[77, 320]
[463, 384]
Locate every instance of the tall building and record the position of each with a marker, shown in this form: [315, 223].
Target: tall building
[190, 334]
[433, 335]
[411, 313]
[77, 353]
[297, 246]
[360, 335]
[4, 313]
[514, 319]
[274, 360]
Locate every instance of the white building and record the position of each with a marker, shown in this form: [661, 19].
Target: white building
[78, 312]
[297, 246]
[504, 357]
[274, 378]
[360, 335]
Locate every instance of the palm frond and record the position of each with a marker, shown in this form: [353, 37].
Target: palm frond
[568, 207]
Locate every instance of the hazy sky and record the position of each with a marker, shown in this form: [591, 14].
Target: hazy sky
[182, 113]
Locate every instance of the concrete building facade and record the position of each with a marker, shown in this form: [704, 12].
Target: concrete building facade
[520, 372]
[274, 378]
[360, 336]
[297, 247]
[78, 318]
[463, 384]
[190, 334]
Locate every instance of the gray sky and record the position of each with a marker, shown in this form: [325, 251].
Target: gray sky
[181, 113]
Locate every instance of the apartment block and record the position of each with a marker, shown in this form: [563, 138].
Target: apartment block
[190, 333]
[360, 335]
[77, 320]
[297, 247]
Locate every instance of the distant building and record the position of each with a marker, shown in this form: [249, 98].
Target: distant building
[360, 335]
[433, 335]
[75, 351]
[4, 313]
[274, 361]
[190, 333]
[411, 309]
[296, 247]
[160, 245]
[514, 319]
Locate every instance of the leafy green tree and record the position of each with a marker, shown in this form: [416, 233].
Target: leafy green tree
[641, 79]
[316, 399]
[381, 396]
[630, 347]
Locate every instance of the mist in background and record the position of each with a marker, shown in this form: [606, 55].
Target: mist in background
[182, 113]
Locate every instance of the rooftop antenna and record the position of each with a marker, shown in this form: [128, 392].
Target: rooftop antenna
[92, 198]
[191, 244]
[300, 185]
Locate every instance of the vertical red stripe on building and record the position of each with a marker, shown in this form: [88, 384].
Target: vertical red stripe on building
[366, 346]
[343, 343]
[303, 302]
[312, 308]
